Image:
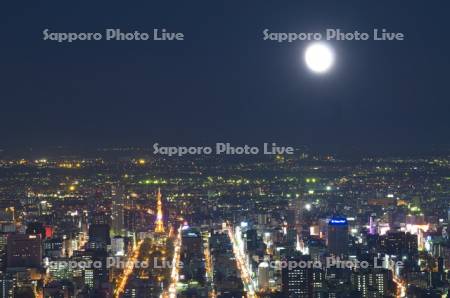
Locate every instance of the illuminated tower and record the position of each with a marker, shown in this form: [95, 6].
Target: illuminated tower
[159, 226]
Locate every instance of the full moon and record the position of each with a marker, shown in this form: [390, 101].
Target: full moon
[319, 57]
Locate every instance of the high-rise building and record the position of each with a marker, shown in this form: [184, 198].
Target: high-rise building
[338, 238]
[24, 250]
[298, 216]
[263, 276]
[395, 243]
[100, 218]
[53, 247]
[117, 207]
[131, 217]
[58, 289]
[8, 282]
[192, 257]
[225, 272]
[360, 281]
[399, 244]
[251, 237]
[371, 282]
[118, 246]
[99, 236]
[137, 287]
[94, 276]
[3, 245]
[297, 282]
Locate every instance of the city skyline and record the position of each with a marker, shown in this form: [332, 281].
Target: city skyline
[209, 149]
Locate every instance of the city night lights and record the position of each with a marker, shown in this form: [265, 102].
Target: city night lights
[234, 149]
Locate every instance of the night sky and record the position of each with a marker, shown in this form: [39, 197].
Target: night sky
[224, 82]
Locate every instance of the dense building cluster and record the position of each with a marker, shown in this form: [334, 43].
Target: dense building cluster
[125, 223]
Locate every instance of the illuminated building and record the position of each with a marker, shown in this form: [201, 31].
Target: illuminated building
[399, 244]
[141, 289]
[298, 219]
[297, 282]
[337, 240]
[53, 247]
[225, 272]
[7, 215]
[60, 269]
[94, 276]
[371, 282]
[8, 282]
[316, 248]
[252, 240]
[3, 244]
[58, 289]
[118, 246]
[101, 218]
[99, 236]
[117, 217]
[263, 276]
[193, 271]
[24, 250]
